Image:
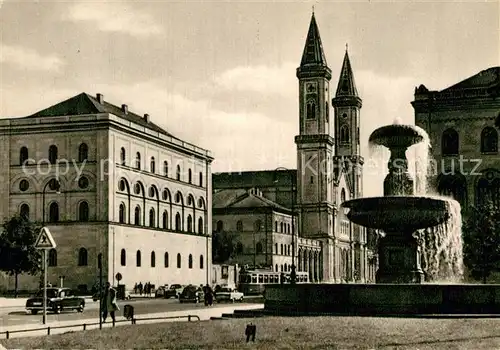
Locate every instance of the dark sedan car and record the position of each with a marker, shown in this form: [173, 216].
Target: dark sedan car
[192, 294]
[58, 299]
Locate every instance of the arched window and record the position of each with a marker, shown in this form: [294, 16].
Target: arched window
[179, 262]
[152, 165]
[276, 248]
[138, 258]
[123, 258]
[281, 227]
[122, 214]
[344, 134]
[153, 259]
[165, 168]
[178, 173]
[200, 226]
[178, 223]
[276, 268]
[53, 154]
[52, 257]
[239, 226]
[257, 225]
[190, 223]
[489, 140]
[220, 226]
[178, 197]
[190, 176]
[151, 217]
[23, 155]
[137, 215]
[201, 179]
[165, 219]
[165, 259]
[25, 210]
[327, 112]
[83, 211]
[488, 188]
[258, 248]
[123, 156]
[190, 261]
[82, 257]
[166, 195]
[449, 142]
[310, 110]
[54, 212]
[83, 153]
[201, 262]
[342, 196]
[138, 161]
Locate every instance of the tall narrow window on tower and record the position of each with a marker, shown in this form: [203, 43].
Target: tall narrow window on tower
[327, 112]
[344, 134]
[311, 110]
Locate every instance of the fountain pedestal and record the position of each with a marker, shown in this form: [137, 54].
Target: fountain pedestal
[399, 259]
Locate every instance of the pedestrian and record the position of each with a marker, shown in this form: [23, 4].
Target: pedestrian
[135, 288]
[210, 295]
[109, 304]
[140, 288]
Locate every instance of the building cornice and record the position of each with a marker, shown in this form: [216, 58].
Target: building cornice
[101, 121]
[321, 138]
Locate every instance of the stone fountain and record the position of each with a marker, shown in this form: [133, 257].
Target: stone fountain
[399, 214]
[402, 217]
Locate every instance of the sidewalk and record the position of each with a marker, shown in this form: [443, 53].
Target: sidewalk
[77, 325]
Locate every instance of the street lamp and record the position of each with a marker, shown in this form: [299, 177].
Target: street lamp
[293, 274]
[54, 185]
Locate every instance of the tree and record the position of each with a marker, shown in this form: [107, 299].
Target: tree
[17, 248]
[223, 247]
[481, 240]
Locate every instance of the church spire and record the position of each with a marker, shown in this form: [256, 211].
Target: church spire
[346, 86]
[313, 50]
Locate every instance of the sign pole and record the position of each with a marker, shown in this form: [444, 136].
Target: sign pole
[44, 319]
[45, 242]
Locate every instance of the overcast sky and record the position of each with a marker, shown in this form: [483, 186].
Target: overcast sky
[222, 75]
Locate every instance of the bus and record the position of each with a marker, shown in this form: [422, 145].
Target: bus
[253, 282]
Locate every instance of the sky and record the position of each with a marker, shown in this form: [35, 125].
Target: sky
[221, 74]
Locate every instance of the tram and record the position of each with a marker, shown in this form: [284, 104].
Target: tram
[253, 282]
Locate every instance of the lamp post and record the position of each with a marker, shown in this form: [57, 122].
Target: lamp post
[293, 274]
[54, 185]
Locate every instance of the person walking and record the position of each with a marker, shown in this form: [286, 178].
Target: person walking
[109, 303]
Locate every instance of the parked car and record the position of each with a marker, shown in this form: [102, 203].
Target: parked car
[58, 299]
[192, 294]
[229, 294]
[161, 291]
[174, 291]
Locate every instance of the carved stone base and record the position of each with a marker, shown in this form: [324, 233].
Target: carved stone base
[399, 259]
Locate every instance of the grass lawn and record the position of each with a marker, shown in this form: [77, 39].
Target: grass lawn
[283, 332]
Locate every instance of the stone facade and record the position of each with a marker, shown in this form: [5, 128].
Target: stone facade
[460, 121]
[125, 186]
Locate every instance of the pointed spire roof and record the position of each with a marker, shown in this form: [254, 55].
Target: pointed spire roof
[313, 50]
[347, 86]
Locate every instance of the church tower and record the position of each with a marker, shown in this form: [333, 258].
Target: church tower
[347, 105]
[315, 147]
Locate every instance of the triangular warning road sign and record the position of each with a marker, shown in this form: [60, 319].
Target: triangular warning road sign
[45, 240]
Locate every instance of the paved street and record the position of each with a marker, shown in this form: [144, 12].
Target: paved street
[16, 316]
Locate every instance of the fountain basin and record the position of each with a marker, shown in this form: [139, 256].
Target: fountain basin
[401, 213]
[397, 136]
[382, 299]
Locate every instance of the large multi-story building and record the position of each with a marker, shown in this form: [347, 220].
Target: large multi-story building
[329, 172]
[460, 121]
[106, 180]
